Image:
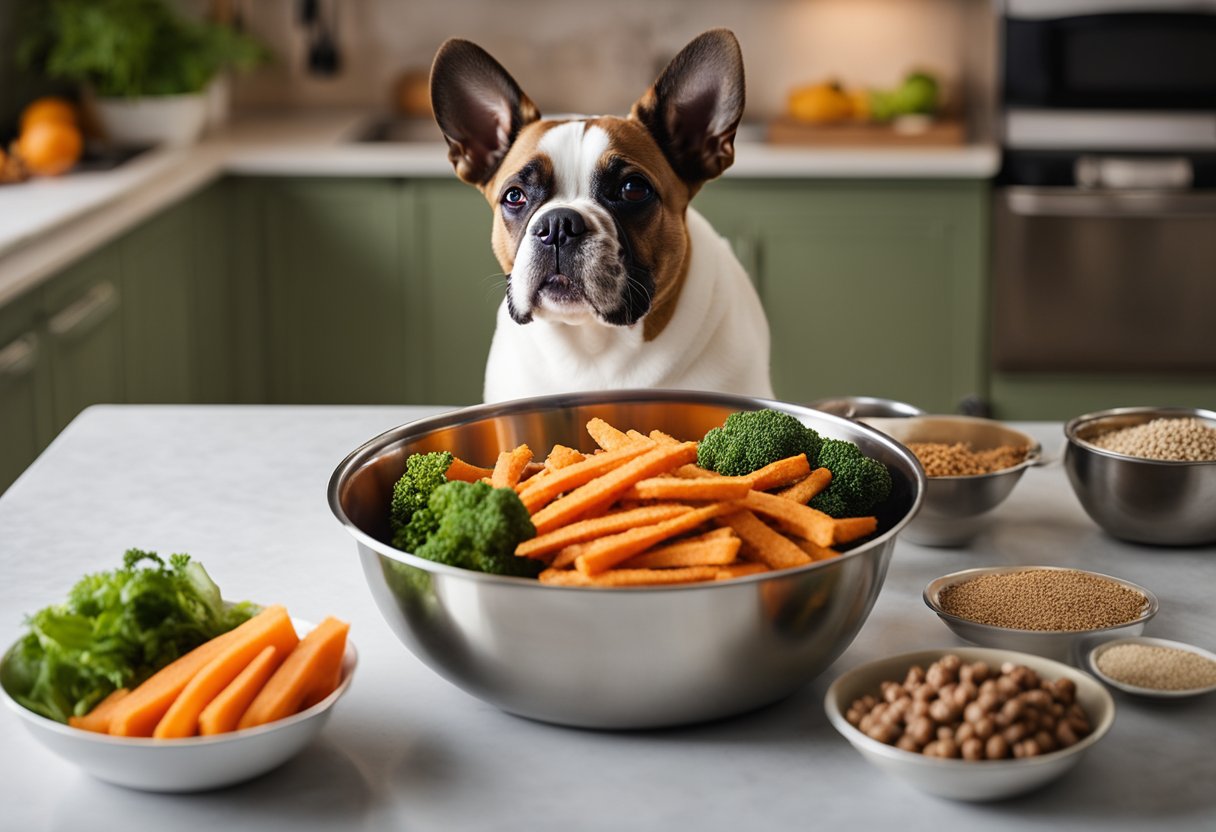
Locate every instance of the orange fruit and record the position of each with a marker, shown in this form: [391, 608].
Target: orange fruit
[48, 108]
[49, 148]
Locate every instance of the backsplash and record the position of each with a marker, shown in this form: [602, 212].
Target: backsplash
[599, 57]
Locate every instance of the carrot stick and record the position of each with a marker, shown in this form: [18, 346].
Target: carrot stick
[510, 467]
[602, 491]
[463, 471]
[308, 674]
[680, 488]
[225, 710]
[806, 488]
[139, 711]
[605, 435]
[848, 529]
[803, 521]
[605, 553]
[535, 497]
[631, 577]
[779, 473]
[765, 545]
[539, 547]
[269, 628]
[706, 550]
[98, 719]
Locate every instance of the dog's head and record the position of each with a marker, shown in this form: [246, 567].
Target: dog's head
[589, 212]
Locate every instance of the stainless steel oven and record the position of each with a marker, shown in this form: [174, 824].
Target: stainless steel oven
[1104, 215]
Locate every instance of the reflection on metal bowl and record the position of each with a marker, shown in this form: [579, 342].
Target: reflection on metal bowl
[614, 658]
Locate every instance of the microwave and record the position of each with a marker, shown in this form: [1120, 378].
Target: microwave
[1109, 55]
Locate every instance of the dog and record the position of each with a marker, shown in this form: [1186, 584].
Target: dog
[613, 281]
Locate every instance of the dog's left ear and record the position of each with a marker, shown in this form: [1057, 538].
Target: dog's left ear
[694, 108]
[479, 107]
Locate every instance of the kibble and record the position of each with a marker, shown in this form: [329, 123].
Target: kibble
[1043, 599]
[940, 459]
[1157, 668]
[1179, 440]
[971, 732]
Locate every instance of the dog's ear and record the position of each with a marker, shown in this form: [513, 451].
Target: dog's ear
[694, 108]
[479, 107]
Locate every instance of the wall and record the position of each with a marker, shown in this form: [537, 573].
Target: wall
[598, 57]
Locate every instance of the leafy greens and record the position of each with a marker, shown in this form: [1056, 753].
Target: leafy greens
[116, 629]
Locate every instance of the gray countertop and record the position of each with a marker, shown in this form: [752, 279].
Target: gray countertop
[243, 490]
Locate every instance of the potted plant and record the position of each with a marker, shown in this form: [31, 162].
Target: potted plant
[146, 67]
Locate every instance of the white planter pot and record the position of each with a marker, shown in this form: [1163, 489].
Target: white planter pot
[161, 119]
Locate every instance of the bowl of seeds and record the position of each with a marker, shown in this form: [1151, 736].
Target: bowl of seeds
[1049, 611]
[1146, 474]
[971, 466]
[1154, 667]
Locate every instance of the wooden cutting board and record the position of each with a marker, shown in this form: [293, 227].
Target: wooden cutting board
[939, 133]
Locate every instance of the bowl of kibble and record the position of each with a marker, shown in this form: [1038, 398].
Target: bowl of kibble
[1146, 474]
[971, 723]
[1155, 667]
[1049, 611]
[971, 466]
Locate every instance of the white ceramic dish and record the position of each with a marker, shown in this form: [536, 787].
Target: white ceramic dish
[959, 779]
[1150, 692]
[188, 765]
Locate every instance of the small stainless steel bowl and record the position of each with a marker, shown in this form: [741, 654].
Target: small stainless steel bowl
[955, 508]
[1061, 645]
[614, 658]
[1141, 500]
[861, 407]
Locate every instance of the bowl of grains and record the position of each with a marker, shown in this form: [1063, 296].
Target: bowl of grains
[1049, 611]
[1154, 667]
[970, 723]
[1146, 474]
[971, 466]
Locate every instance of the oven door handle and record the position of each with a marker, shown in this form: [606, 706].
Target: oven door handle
[1076, 202]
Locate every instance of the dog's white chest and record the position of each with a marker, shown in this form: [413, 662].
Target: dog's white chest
[716, 340]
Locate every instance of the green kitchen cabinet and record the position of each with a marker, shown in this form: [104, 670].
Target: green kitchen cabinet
[456, 287]
[871, 288]
[157, 267]
[1063, 396]
[84, 331]
[335, 298]
[25, 391]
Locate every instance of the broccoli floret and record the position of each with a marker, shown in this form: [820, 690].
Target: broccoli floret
[858, 482]
[411, 536]
[478, 527]
[423, 474]
[752, 439]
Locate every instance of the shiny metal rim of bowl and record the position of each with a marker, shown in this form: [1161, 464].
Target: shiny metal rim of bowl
[836, 714]
[1034, 449]
[1074, 428]
[934, 588]
[418, 429]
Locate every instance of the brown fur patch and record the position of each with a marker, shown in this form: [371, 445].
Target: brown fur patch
[664, 245]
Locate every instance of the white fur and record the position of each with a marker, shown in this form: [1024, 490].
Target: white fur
[717, 339]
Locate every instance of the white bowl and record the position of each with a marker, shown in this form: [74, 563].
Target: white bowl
[1150, 692]
[193, 764]
[982, 780]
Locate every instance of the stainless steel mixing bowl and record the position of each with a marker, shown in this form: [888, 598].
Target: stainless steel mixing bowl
[614, 658]
[1141, 500]
[956, 508]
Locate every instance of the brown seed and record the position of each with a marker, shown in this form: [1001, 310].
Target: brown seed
[974, 712]
[921, 730]
[964, 732]
[985, 728]
[883, 732]
[945, 732]
[1014, 733]
[1065, 736]
[996, 748]
[907, 743]
[1012, 710]
[1045, 741]
[943, 711]
[973, 749]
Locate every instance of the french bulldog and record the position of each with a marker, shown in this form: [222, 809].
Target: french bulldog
[613, 280]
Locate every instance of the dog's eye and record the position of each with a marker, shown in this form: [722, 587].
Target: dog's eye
[514, 198]
[636, 189]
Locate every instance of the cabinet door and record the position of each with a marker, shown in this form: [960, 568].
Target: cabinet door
[157, 310]
[456, 286]
[25, 399]
[335, 295]
[870, 288]
[84, 330]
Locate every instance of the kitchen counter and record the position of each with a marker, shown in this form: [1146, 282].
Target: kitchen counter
[243, 489]
[46, 224]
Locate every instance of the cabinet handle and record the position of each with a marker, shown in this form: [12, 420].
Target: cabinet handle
[82, 315]
[18, 357]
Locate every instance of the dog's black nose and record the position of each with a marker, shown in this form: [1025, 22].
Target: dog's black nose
[559, 227]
